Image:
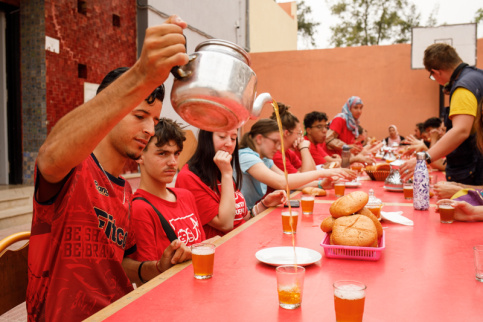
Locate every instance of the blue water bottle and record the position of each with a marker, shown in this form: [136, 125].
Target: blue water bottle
[421, 183]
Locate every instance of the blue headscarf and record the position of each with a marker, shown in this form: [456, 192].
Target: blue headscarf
[351, 122]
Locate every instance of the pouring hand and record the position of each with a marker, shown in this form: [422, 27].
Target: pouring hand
[163, 48]
[222, 160]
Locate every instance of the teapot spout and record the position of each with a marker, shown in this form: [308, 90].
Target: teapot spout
[260, 101]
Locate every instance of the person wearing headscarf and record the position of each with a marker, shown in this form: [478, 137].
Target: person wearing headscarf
[394, 136]
[343, 129]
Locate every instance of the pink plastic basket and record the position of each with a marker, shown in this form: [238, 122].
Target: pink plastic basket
[353, 252]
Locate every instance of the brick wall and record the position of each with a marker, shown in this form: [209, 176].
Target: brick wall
[89, 39]
[95, 39]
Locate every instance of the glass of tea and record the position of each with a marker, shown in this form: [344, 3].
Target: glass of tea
[408, 190]
[446, 211]
[349, 298]
[290, 286]
[203, 258]
[307, 202]
[289, 222]
[339, 188]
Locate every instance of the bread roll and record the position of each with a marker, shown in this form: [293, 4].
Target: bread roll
[366, 212]
[370, 168]
[314, 191]
[356, 230]
[349, 204]
[383, 167]
[318, 192]
[327, 224]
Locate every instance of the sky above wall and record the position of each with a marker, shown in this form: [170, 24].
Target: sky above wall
[445, 11]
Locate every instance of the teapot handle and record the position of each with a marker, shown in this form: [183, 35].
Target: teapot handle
[177, 72]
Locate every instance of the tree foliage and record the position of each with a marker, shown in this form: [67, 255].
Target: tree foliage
[306, 27]
[479, 16]
[373, 22]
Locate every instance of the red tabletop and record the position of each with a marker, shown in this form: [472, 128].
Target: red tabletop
[426, 273]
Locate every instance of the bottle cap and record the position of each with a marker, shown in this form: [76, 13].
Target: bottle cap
[420, 156]
[345, 147]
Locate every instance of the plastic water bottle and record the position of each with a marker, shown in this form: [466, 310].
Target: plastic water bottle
[346, 157]
[421, 183]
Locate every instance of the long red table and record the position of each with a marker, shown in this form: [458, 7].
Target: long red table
[426, 273]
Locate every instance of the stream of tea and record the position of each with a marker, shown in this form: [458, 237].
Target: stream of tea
[280, 129]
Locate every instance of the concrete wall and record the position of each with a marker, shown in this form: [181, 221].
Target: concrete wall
[206, 19]
[273, 27]
[324, 79]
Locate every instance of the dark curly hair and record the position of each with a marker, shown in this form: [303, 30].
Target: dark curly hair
[158, 92]
[313, 117]
[168, 130]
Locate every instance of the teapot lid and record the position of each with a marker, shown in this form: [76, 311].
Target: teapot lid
[226, 47]
[373, 201]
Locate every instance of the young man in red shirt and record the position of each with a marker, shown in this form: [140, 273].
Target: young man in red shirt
[81, 225]
[158, 164]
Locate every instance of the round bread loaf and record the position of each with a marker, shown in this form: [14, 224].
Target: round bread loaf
[327, 224]
[349, 204]
[356, 230]
[366, 212]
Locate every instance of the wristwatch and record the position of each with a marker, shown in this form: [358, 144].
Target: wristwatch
[427, 157]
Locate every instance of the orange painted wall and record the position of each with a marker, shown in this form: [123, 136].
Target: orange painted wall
[324, 79]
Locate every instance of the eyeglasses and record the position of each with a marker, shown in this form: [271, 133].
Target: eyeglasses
[299, 133]
[431, 77]
[320, 127]
[276, 142]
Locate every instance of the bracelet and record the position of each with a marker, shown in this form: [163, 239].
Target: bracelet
[251, 213]
[320, 184]
[139, 272]
[159, 271]
[305, 147]
[263, 204]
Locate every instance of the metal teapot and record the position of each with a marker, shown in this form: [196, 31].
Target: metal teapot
[393, 180]
[216, 90]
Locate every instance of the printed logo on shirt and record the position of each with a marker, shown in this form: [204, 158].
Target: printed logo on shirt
[106, 222]
[189, 232]
[103, 191]
[240, 206]
[80, 241]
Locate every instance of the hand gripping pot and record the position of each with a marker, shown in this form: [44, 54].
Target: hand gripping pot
[216, 90]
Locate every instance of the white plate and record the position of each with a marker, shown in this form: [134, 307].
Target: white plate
[351, 184]
[393, 189]
[276, 256]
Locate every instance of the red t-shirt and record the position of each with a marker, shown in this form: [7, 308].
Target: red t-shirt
[292, 160]
[78, 241]
[182, 215]
[208, 201]
[317, 151]
[339, 125]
